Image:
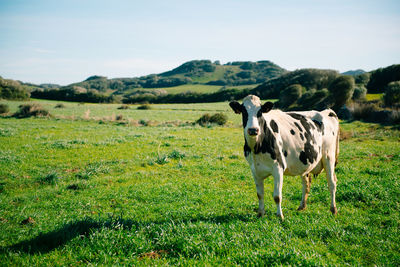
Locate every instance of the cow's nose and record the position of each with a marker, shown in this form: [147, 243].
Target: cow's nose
[253, 131]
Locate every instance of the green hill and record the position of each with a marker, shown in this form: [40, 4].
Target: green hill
[193, 72]
[193, 77]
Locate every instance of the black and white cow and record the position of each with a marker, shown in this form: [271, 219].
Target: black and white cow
[290, 143]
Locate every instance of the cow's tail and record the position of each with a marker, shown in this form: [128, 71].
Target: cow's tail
[337, 146]
[333, 114]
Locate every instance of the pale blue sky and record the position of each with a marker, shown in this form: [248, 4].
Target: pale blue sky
[54, 41]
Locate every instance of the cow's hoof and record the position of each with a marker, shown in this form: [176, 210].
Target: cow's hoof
[301, 207]
[280, 216]
[334, 210]
[260, 214]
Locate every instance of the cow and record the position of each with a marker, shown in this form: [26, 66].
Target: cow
[281, 143]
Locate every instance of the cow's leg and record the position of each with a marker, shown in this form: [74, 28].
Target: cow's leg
[260, 195]
[306, 179]
[278, 182]
[329, 164]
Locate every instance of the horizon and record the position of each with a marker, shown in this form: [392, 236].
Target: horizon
[65, 42]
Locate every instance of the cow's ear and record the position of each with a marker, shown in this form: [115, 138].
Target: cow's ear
[267, 107]
[237, 108]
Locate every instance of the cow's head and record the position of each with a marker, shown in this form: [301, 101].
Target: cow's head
[251, 111]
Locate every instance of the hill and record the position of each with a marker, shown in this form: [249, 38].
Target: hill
[193, 72]
[354, 72]
[198, 73]
[308, 78]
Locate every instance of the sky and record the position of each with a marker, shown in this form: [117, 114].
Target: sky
[62, 42]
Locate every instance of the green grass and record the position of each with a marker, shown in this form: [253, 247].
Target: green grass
[371, 97]
[109, 194]
[198, 88]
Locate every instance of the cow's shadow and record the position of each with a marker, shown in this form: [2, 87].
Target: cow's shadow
[46, 242]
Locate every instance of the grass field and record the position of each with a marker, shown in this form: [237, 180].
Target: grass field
[76, 191]
[371, 97]
[198, 88]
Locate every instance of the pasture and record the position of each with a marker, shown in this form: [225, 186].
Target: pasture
[83, 188]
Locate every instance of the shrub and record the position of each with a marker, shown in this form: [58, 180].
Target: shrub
[360, 93]
[4, 108]
[204, 119]
[50, 178]
[392, 94]
[342, 90]
[289, 95]
[123, 107]
[176, 155]
[217, 118]
[31, 110]
[145, 106]
[60, 105]
[363, 111]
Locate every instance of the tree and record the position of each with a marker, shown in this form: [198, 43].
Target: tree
[289, 95]
[341, 90]
[392, 94]
[359, 93]
[382, 77]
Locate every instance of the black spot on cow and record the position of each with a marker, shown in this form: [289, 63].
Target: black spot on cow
[267, 142]
[320, 125]
[298, 127]
[301, 136]
[292, 132]
[309, 154]
[274, 126]
[246, 148]
[302, 120]
[333, 133]
[259, 113]
[285, 153]
[245, 117]
[332, 114]
[303, 157]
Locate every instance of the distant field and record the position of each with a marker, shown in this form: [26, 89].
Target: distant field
[78, 192]
[199, 88]
[371, 97]
[158, 112]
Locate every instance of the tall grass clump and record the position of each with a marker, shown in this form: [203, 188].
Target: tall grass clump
[50, 178]
[4, 108]
[144, 107]
[31, 110]
[217, 118]
[60, 105]
[123, 107]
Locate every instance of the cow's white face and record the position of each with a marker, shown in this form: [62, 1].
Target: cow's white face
[251, 111]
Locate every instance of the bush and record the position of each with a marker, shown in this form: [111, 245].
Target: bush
[31, 110]
[50, 178]
[342, 90]
[289, 95]
[144, 107]
[4, 108]
[364, 111]
[123, 107]
[392, 94]
[360, 93]
[60, 105]
[217, 118]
